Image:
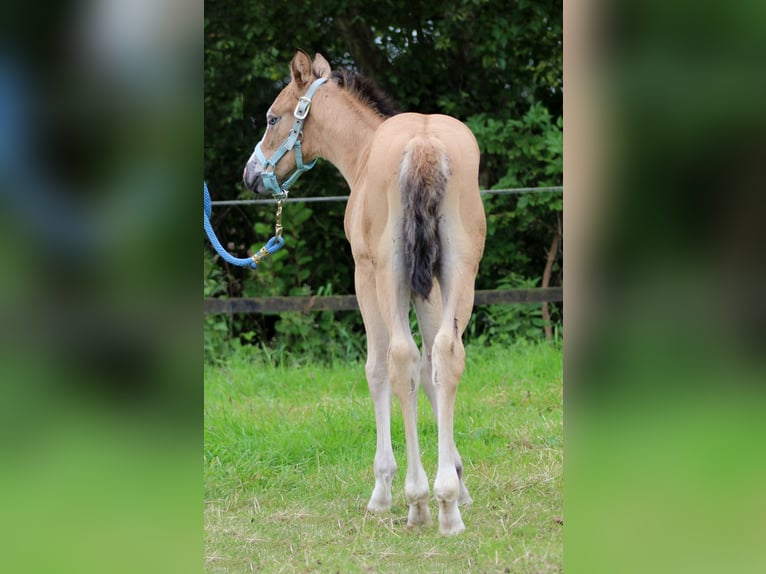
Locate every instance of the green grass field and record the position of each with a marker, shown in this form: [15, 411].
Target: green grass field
[288, 469]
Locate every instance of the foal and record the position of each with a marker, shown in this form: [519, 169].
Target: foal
[416, 226]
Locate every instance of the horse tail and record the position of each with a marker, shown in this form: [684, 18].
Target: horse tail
[423, 184]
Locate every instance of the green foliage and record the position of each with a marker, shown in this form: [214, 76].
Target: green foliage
[520, 152]
[504, 324]
[216, 331]
[315, 250]
[495, 65]
[321, 337]
[520, 229]
[525, 152]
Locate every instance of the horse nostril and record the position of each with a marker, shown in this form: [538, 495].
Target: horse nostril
[250, 177]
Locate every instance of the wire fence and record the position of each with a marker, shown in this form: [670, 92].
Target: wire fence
[268, 305]
[330, 198]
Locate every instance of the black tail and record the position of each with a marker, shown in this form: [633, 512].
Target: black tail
[423, 183]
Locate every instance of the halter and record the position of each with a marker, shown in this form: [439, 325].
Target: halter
[293, 140]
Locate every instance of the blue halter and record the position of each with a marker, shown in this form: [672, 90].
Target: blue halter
[293, 141]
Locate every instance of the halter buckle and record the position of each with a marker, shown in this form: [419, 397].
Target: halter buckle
[302, 108]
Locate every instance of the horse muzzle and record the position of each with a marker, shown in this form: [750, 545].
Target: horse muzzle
[252, 177]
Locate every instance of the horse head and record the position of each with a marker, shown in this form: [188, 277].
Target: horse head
[285, 151]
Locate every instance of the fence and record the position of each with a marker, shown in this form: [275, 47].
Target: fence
[330, 198]
[269, 305]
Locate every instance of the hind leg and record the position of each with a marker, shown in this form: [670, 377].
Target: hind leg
[403, 367]
[429, 316]
[449, 360]
[458, 272]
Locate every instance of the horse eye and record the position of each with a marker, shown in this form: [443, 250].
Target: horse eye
[272, 121]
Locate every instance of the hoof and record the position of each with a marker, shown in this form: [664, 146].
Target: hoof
[379, 503]
[419, 515]
[451, 528]
[377, 508]
[450, 521]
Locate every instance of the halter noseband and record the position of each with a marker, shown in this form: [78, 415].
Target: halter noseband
[293, 140]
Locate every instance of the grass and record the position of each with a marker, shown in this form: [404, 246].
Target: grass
[288, 469]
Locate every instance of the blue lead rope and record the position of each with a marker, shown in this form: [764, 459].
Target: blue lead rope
[272, 245]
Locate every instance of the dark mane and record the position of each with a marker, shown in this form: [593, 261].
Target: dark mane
[366, 91]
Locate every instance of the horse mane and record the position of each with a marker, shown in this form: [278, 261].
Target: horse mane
[366, 91]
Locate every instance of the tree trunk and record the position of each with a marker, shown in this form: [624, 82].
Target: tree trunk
[363, 49]
[550, 259]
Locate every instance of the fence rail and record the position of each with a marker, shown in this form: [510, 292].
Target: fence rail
[269, 305]
[330, 198]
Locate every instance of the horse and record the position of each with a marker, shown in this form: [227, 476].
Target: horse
[416, 226]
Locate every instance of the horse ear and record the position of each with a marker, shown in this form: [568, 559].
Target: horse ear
[321, 67]
[300, 69]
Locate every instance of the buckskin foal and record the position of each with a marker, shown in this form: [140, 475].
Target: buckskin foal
[416, 226]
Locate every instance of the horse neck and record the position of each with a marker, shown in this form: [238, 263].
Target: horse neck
[346, 127]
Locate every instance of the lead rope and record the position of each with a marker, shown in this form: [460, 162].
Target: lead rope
[272, 245]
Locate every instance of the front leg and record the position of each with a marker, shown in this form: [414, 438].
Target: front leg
[376, 370]
[385, 463]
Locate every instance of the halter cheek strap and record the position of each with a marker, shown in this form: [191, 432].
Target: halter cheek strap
[292, 142]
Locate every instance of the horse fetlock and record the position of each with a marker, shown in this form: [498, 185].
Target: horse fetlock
[416, 489]
[446, 485]
[447, 492]
[385, 469]
[417, 493]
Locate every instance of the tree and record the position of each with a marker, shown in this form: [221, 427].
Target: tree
[495, 65]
